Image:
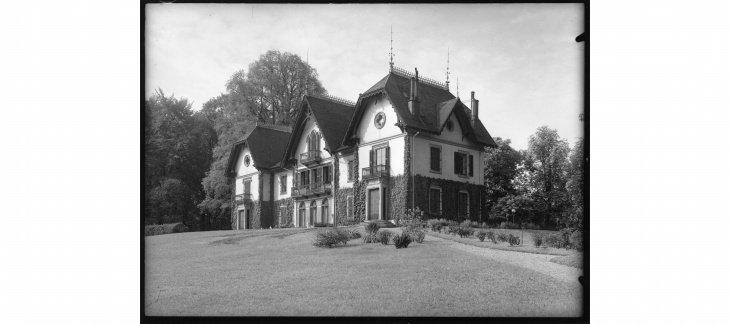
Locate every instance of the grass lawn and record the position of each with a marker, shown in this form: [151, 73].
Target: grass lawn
[280, 273]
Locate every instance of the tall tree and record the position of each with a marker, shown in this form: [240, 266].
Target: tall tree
[575, 184]
[500, 169]
[178, 146]
[547, 158]
[274, 86]
[270, 92]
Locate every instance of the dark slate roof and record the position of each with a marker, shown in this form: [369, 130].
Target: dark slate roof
[331, 117]
[267, 144]
[436, 104]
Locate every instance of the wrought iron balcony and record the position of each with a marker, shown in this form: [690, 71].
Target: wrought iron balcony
[377, 171]
[310, 157]
[243, 198]
[313, 189]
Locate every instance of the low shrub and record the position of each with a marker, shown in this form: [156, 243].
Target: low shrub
[576, 240]
[537, 239]
[554, 240]
[323, 225]
[481, 234]
[465, 231]
[401, 241]
[453, 228]
[416, 235]
[531, 226]
[151, 230]
[384, 237]
[433, 223]
[513, 240]
[370, 238]
[331, 237]
[565, 237]
[437, 228]
[483, 225]
[354, 234]
[492, 237]
[508, 225]
[502, 237]
[372, 227]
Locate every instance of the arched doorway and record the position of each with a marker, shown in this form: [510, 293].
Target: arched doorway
[302, 212]
[312, 212]
[325, 211]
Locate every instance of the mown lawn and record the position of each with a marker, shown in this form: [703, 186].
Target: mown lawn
[279, 273]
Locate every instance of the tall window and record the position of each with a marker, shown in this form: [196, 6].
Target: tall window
[315, 175]
[435, 158]
[282, 184]
[247, 186]
[304, 178]
[463, 203]
[350, 170]
[380, 156]
[312, 211]
[463, 164]
[325, 211]
[435, 201]
[326, 174]
[313, 141]
[302, 213]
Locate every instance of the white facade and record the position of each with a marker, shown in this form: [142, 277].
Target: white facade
[449, 142]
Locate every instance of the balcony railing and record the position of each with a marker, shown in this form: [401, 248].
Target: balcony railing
[377, 171]
[317, 188]
[245, 198]
[310, 157]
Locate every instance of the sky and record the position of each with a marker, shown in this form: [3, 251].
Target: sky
[521, 60]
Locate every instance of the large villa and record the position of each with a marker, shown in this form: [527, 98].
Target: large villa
[407, 142]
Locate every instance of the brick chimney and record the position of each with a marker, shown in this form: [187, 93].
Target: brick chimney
[474, 108]
[413, 104]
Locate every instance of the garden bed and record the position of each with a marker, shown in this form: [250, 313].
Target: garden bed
[526, 246]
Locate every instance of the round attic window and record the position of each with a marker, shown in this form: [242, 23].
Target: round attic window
[247, 160]
[450, 125]
[379, 120]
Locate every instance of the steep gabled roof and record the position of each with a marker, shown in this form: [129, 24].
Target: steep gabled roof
[436, 104]
[331, 115]
[266, 142]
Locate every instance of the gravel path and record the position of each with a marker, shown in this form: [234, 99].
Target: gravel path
[536, 262]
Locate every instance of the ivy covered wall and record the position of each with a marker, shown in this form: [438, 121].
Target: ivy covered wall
[289, 216]
[398, 196]
[449, 197]
[341, 206]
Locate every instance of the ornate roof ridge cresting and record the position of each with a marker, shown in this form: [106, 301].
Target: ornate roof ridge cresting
[335, 99]
[423, 79]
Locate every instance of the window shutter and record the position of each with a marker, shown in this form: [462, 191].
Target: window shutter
[387, 155]
[471, 165]
[309, 143]
[457, 163]
[372, 160]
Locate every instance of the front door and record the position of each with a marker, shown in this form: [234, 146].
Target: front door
[374, 204]
[248, 219]
[239, 220]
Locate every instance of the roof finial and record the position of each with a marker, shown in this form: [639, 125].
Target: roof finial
[457, 87]
[306, 81]
[447, 68]
[391, 48]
